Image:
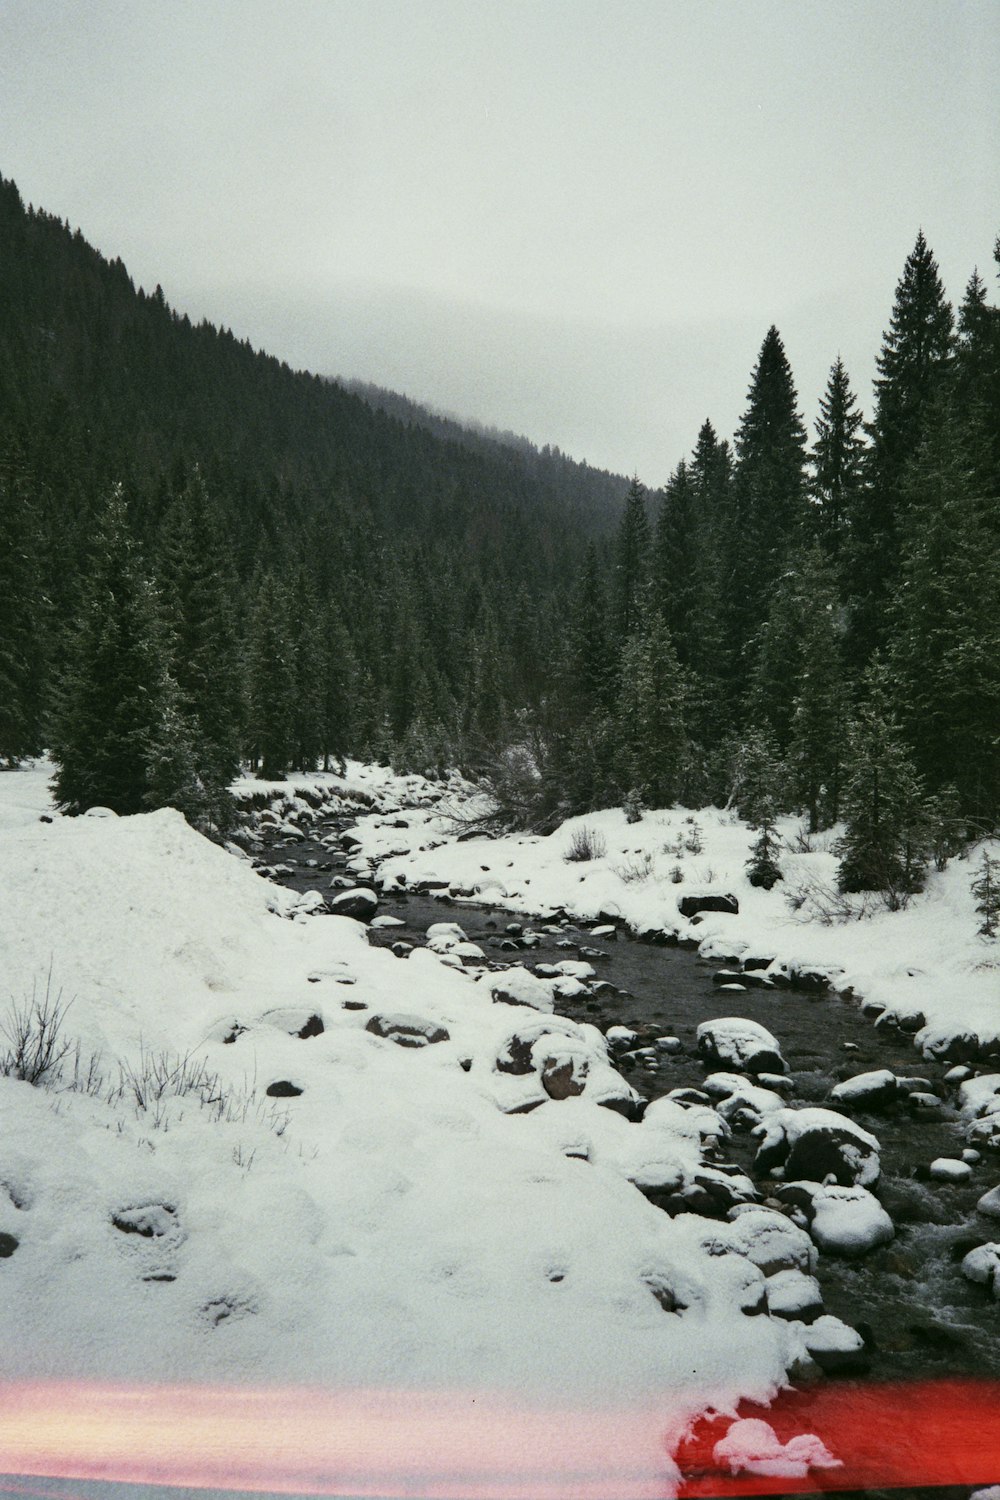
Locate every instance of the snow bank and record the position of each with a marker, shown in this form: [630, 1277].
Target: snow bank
[924, 967]
[244, 1176]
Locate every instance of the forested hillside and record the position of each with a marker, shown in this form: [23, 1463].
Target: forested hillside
[318, 574]
[206, 558]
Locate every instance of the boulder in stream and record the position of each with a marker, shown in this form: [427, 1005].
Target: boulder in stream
[736, 1045]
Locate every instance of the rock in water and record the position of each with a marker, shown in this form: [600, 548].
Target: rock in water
[735, 1045]
[359, 902]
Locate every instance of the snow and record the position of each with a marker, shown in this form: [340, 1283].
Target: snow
[395, 1227]
[924, 964]
[751, 1446]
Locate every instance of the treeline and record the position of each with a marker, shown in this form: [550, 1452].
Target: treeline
[208, 560]
[810, 627]
[206, 557]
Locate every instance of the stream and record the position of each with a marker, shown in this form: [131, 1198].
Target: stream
[919, 1316]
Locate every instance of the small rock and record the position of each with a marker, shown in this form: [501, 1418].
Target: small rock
[283, 1089]
[407, 1030]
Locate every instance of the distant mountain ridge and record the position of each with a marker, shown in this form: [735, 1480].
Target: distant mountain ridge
[602, 488]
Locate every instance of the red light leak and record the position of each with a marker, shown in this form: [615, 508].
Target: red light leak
[918, 1435]
[451, 1446]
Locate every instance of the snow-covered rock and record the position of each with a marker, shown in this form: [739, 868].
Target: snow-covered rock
[846, 1221]
[359, 902]
[871, 1090]
[813, 1144]
[948, 1169]
[751, 1446]
[736, 1045]
[982, 1266]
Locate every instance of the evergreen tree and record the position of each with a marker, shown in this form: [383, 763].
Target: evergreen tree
[756, 776]
[837, 461]
[651, 739]
[986, 894]
[884, 843]
[24, 612]
[270, 681]
[817, 693]
[633, 564]
[114, 691]
[197, 586]
[770, 498]
[763, 869]
[945, 616]
[913, 367]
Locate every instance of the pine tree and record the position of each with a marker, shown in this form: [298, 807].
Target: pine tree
[986, 893]
[113, 694]
[763, 869]
[633, 564]
[652, 743]
[24, 612]
[884, 846]
[770, 499]
[945, 616]
[756, 776]
[913, 367]
[270, 681]
[837, 460]
[816, 728]
[197, 586]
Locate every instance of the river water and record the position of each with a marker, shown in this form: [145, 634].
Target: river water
[918, 1314]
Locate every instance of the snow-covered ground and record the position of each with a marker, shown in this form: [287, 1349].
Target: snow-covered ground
[922, 962]
[391, 1228]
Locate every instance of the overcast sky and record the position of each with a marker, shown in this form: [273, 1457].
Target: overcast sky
[574, 218]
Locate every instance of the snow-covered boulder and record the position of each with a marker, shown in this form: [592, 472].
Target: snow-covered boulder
[359, 902]
[982, 1266]
[846, 1221]
[741, 1103]
[696, 902]
[518, 986]
[735, 1045]
[989, 1204]
[770, 1241]
[407, 1030]
[873, 1090]
[814, 1144]
[949, 1169]
[794, 1295]
[836, 1348]
[751, 1446]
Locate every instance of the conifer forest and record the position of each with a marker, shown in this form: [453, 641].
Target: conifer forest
[208, 560]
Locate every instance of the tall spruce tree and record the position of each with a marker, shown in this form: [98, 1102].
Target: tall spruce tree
[884, 846]
[837, 461]
[770, 498]
[651, 738]
[913, 365]
[197, 585]
[945, 614]
[633, 564]
[24, 615]
[115, 689]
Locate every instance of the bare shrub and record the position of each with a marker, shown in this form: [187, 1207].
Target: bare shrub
[33, 1030]
[162, 1075]
[639, 867]
[585, 843]
[813, 900]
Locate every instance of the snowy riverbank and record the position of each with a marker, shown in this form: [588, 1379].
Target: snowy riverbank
[310, 1201]
[925, 965]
